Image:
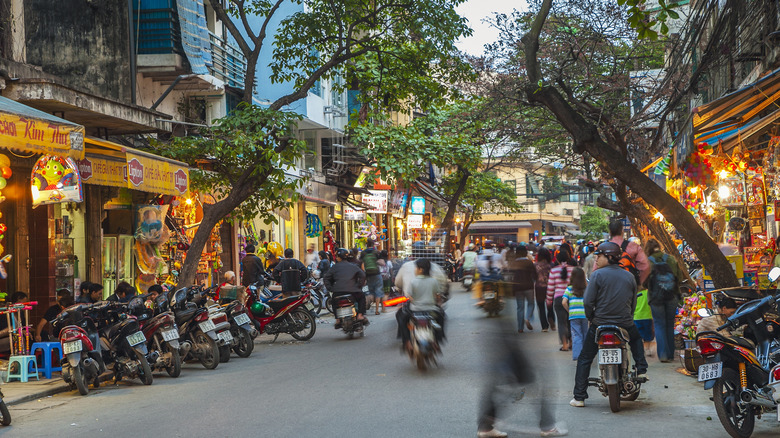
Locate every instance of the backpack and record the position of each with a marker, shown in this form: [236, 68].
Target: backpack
[662, 284]
[370, 264]
[627, 263]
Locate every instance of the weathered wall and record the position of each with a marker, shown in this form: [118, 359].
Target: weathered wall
[84, 42]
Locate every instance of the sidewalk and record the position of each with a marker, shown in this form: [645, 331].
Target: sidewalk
[16, 392]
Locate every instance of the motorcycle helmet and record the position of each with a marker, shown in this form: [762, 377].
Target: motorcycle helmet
[471, 247]
[342, 253]
[258, 308]
[611, 250]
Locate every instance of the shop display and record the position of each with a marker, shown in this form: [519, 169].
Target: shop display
[53, 180]
[150, 235]
[5, 168]
[65, 265]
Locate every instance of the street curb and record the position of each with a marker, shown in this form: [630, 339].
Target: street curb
[36, 395]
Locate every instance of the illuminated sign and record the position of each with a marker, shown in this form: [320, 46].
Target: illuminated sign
[418, 205]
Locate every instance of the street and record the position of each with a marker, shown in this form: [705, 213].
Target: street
[332, 386]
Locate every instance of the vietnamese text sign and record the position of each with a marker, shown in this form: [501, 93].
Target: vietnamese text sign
[414, 221]
[377, 200]
[351, 214]
[41, 136]
[103, 171]
[418, 205]
[156, 175]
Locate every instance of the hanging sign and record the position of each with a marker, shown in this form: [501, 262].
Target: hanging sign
[155, 175]
[418, 205]
[55, 180]
[377, 200]
[414, 221]
[354, 215]
[103, 171]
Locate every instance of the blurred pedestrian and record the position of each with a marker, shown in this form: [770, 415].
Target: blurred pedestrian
[523, 277]
[556, 286]
[663, 298]
[543, 265]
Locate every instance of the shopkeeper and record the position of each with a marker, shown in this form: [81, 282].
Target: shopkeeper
[727, 307]
[64, 300]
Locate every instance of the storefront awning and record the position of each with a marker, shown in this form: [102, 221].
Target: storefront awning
[27, 129]
[111, 164]
[428, 191]
[563, 224]
[498, 227]
[733, 136]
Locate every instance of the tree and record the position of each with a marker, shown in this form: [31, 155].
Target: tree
[594, 133]
[485, 193]
[392, 49]
[594, 223]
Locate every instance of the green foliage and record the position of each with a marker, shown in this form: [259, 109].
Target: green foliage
[248, 152]
[594, 223]
[644, 21]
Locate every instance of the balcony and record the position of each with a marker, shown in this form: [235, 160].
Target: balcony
[229, 64]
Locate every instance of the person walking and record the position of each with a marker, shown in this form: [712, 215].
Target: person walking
[663, 295]
[523, 275]
[573, 303]
[643, 318]
[556, 286]
[631, 248]
[370, 265]
[543, 265]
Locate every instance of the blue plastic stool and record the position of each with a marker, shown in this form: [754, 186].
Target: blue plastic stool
[25, 363]
[47, 349]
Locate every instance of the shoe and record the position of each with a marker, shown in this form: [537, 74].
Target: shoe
[337, 325]
[555, 431]
[492, 433]
[520, 331]
[642, 376]
[577, 403]
[544, 330]
[376, 313]
[528, 325]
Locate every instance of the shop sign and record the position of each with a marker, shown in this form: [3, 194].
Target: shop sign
[156, 175]
[397, 201]
[354, 215]
[414, 221]
[54, 180]
[418, 205]
[377, 200]
[102, 171]
[41, 136]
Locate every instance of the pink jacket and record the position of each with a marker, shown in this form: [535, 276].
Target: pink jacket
[556, 286]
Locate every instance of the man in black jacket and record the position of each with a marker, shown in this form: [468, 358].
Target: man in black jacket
[252, 266]
[290, 273]
[346, 278]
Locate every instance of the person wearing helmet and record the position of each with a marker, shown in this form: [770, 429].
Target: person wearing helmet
[346, 278]
[469, 260]
[610, 298]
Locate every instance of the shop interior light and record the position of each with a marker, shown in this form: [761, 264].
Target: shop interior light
[724, 192]
[694, 190]
[723, 173]
[710, 211]
[659, 216]
[188, 201]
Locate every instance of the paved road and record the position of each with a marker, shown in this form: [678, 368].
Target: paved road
[335, 387]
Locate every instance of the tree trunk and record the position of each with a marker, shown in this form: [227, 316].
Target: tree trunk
[587, 138]
[452, 207]
[212, 214]
[464, 234]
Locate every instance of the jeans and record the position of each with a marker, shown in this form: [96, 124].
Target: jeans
[562, 315]
[546, 314]
[579, 327]
[589, 351]
[663, 320]
[525, 306]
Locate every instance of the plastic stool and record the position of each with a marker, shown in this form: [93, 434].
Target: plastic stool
[47, 349]
[25, 363]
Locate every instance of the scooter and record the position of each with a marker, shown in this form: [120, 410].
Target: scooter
[492, 303]
[292, 315]
[80, 345]
[319, 296]
[197, 327]
[345, 311]
[5, 416]
[618, 380]
[162, 334]
[241, 328]
[123, 343]
[424, 333]
[468, 278]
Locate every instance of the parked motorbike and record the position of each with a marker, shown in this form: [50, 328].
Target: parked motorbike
[319, 296]
[241, 328]
[425, 332]
[162, 336]
[197, 327]
[292, 315]
[5, 416]
[80, 342]
[618, 378]
[345, 310]
[125, 344]
[741, 370]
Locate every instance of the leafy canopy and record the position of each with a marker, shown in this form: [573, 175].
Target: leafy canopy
[594, 222]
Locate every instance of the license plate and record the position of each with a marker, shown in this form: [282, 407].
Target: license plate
[343, 312]
[710, 371]
[309, 306]
[242, 319]
[136, 338]
[610, 356]
[423, 334]
[207, 326]
[71, 347]
[170, 335]
[225, 336]
[490, 295]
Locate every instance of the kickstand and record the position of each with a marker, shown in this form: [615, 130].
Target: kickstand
[277, 335]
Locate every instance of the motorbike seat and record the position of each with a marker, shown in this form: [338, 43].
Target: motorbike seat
[184, 315]
[613, 328]
[280, 303]
[742, 342]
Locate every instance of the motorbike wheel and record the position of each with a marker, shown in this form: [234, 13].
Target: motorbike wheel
[145, 370]
[301, 316]
[245, 344]
[224, 353]
[210, 356]
[737, 420]
[174, 370]
[613, 393]
[5, 419]
[317, 302]
[80, 380]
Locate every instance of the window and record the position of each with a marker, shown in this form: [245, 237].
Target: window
[310, 156]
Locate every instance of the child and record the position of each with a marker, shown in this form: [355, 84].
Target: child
[572, 301]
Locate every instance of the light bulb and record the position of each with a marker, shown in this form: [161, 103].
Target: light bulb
[724, 192]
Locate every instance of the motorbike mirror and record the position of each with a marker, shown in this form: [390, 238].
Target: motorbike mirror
[704, 312]
[774, 274]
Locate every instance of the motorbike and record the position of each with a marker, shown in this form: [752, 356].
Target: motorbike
[492, 303]
[450, 267]
[198, 327]
[345, 310]
[80, 342]
[5, 416]
[618, 380]
[468, 279]
[162, 334]
[425, 332]
[741, 370]
[241, 328]
[273, 316]
[319, 296]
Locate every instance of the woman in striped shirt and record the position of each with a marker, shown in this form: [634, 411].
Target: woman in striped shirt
[556, 286]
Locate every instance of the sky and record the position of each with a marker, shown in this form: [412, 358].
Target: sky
[475, 11]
